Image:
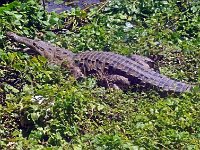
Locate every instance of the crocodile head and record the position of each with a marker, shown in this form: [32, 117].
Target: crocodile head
[12, 36]
[43, 48]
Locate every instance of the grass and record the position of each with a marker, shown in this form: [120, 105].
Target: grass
[82, 115]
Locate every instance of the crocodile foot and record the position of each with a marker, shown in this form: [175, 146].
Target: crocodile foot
[115, 82]
[74, 70]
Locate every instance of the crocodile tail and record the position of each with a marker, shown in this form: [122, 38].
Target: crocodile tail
[169, 85]
[176, 86]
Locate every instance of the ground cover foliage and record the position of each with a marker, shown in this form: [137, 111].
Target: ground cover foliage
[81, 115]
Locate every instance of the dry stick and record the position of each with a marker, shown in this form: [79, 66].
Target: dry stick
[85, 9]
[102, 6]
[43, 3]
[69, 3]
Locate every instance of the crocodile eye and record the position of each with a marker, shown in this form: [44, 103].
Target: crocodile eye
[10, 35]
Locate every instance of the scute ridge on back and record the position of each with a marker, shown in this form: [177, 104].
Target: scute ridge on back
[109, 68]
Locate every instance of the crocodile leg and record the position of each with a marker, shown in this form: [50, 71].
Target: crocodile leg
[114, 81]
[74, 70]
[145, 61]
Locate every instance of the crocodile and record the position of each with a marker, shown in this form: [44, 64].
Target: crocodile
[56, 55]
[111, 70]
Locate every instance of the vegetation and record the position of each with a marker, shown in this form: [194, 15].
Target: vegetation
[45, 108]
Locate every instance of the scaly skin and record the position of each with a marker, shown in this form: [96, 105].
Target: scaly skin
[51, 52]
[113, 69]
[57, 55]
[109, 63]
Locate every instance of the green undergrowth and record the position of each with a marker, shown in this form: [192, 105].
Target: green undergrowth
[43, 107]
